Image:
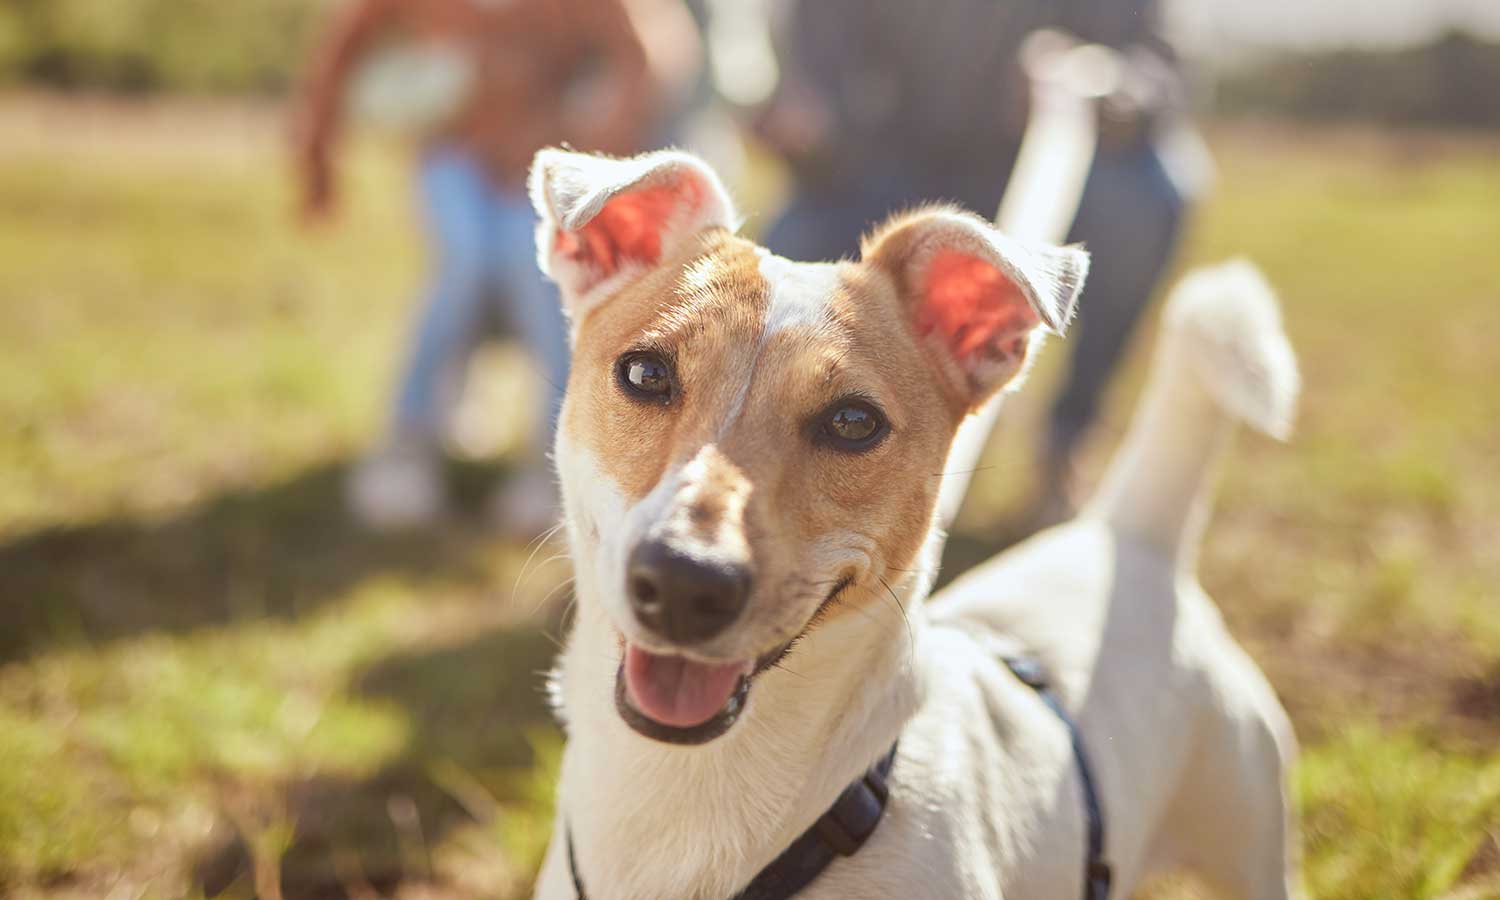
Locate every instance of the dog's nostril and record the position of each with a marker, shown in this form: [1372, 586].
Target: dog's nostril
[643, 592]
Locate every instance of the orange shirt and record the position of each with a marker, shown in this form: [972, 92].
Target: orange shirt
[543, 72]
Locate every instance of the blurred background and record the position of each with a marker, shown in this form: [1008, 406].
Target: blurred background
[226, 670]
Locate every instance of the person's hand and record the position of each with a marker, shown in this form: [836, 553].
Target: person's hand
[796, 124]
[1122, 119]
[315, 172]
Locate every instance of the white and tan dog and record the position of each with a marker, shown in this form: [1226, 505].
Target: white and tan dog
[750, 452]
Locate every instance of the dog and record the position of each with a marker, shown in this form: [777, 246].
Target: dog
[750, 453]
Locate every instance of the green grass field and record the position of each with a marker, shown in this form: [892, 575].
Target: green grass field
[212, 684]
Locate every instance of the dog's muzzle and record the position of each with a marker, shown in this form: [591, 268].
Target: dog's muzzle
[679, 700]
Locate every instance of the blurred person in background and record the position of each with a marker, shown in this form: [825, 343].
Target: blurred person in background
[886, 104]
[484, 84]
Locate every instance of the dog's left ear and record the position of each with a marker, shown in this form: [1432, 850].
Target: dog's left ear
[978, 300]
[605, 221]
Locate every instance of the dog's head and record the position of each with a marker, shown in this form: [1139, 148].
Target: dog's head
[749, 445]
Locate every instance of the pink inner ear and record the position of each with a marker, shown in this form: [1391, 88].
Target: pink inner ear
[629, 228]
[972, 305]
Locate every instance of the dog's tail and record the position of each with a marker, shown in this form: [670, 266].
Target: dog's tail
[1222, 358]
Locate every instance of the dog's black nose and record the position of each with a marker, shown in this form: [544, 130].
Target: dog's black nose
[682, 598]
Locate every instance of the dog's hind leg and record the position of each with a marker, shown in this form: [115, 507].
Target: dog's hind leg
[1231, 822]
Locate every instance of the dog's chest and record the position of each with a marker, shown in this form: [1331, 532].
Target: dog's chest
[985, 800]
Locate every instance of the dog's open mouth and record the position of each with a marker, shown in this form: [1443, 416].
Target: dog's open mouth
[681, 693]
[684, 701]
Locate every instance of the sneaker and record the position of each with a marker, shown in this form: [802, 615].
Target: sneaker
[398, 488]
[526, 506]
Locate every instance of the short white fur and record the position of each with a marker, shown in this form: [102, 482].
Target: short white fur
[1189, 744]
[799, 292]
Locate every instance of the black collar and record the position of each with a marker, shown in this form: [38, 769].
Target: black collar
[852, 819]
[840, 831]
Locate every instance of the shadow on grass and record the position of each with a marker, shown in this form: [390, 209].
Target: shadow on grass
[276, 551]
[476, 711]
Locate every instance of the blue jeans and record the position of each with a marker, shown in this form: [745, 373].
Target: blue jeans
[1129, 216]
[483, 251]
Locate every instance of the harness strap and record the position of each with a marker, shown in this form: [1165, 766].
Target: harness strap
[840, 831]
[845, 827]
[1097, 874]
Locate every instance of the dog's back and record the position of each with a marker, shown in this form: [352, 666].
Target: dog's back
[1190, 742]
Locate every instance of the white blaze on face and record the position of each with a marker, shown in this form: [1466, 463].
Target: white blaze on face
[799, 291]
[799, 295]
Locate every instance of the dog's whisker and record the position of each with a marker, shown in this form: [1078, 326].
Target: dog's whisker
[539, 566]
[911, 639]
[867, 613]
[547, 597]
[542, 374]
[782, 666]
[535, 547]
[544, 536]
[552, 559]
[568, 611]
[962, 471]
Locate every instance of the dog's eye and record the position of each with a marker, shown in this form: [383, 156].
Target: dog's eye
[854, 425]
[647, 376]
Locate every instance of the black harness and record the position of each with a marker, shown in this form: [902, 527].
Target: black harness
[852, 818]
[1097, 875]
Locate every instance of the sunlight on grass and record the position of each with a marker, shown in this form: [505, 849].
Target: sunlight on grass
[1394, 815]
[150, 719]
[41, 830]
[203, 665]
[190, 344]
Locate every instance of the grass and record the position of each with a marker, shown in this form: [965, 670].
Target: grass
[209, 679]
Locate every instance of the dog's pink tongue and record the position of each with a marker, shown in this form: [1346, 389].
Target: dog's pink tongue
[679, 692]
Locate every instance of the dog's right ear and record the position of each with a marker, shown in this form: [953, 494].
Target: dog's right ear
[605, 221]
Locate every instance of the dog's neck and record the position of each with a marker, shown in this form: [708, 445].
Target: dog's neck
[650, 820]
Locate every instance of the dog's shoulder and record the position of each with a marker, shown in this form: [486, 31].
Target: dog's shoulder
[977, 774]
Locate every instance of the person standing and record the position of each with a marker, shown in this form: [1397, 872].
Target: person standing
[487, 83]
[886, 104]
